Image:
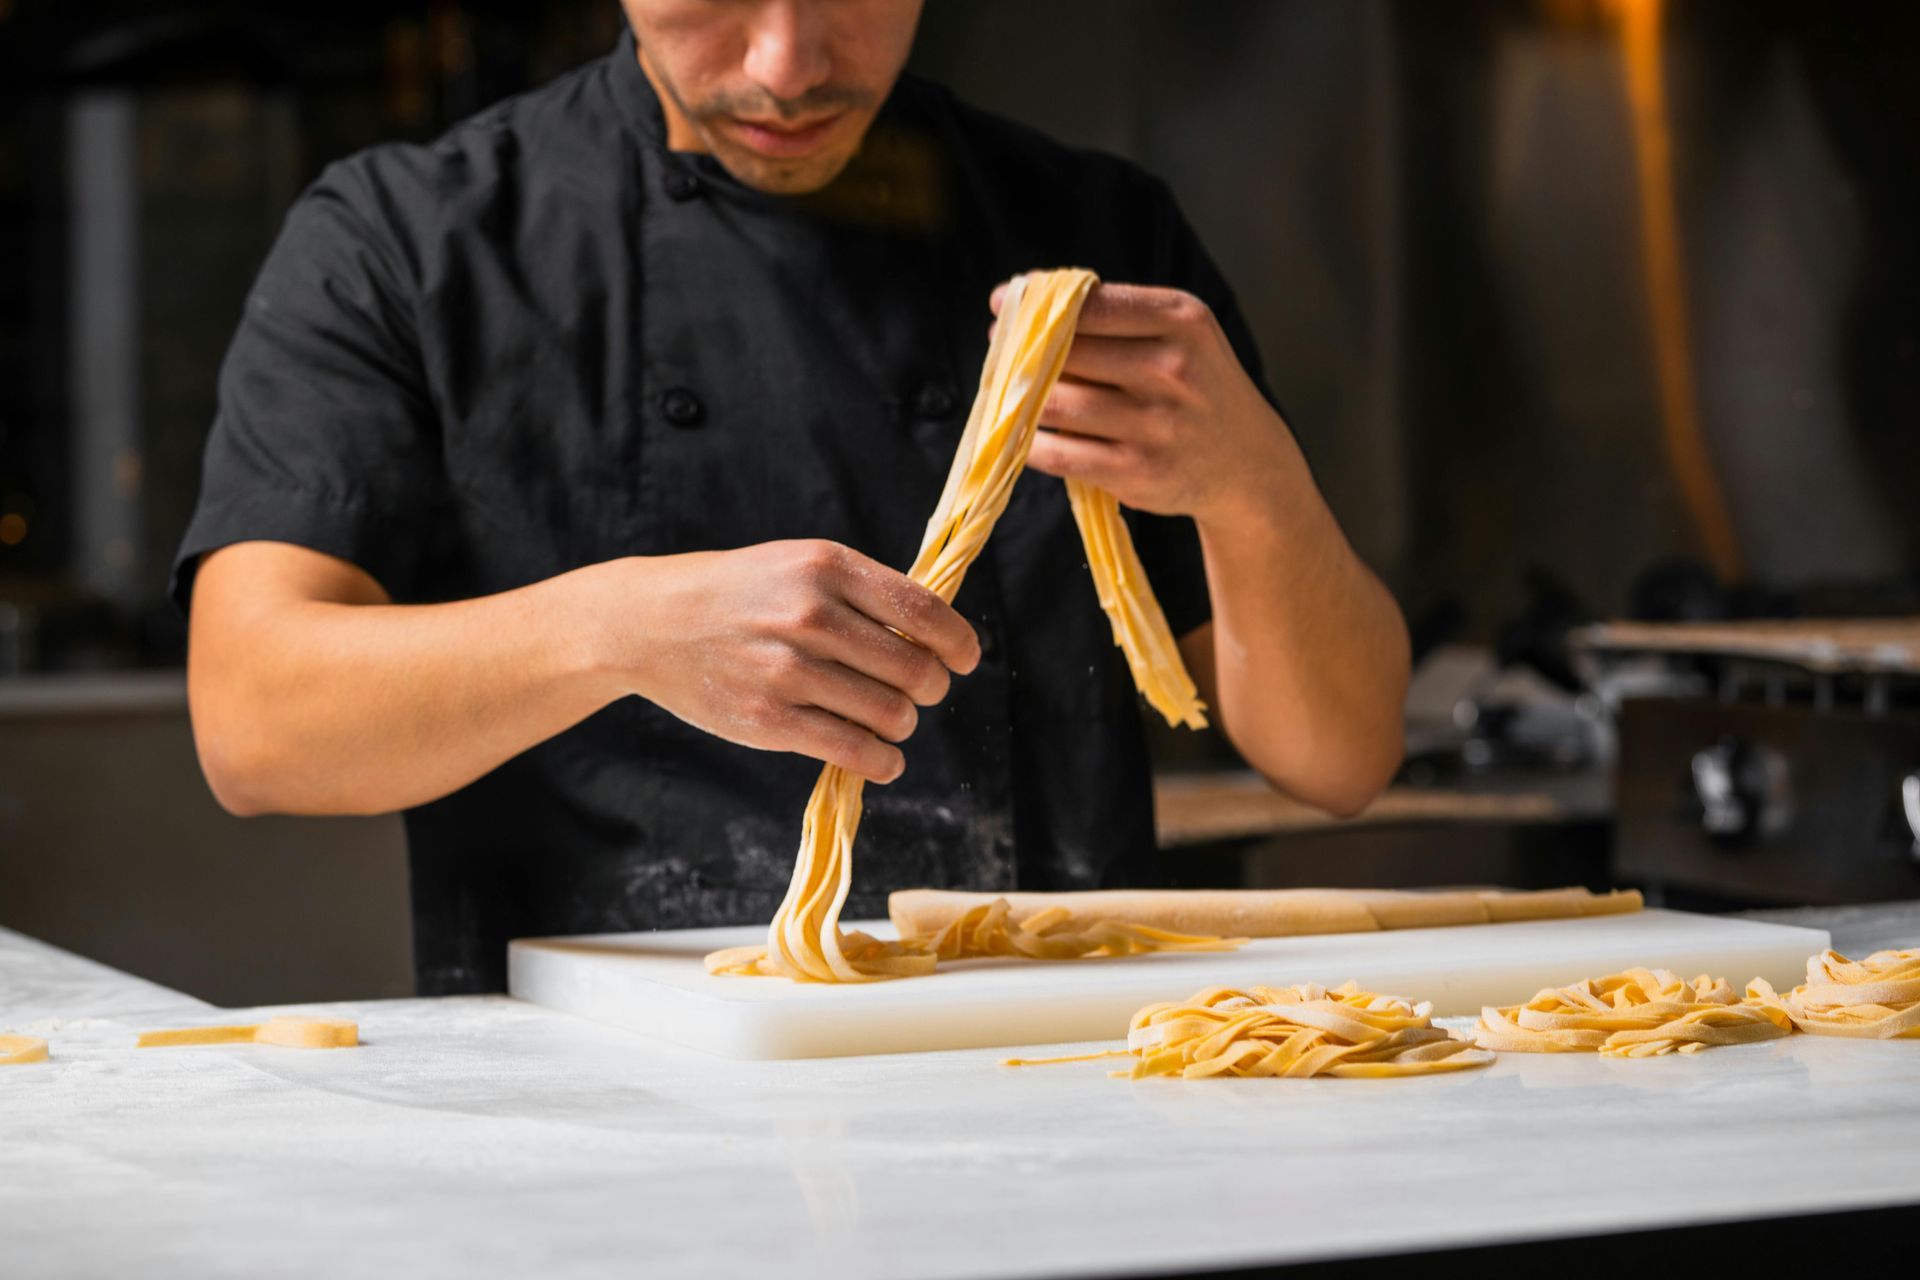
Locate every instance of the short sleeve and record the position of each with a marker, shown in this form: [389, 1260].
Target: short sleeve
[1169, 546]
[324, 434]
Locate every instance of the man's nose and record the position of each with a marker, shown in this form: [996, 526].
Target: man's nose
[787, 49]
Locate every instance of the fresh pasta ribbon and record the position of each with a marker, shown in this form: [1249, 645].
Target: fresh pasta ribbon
[18, 1051]
[1641, 1013]
[1024, 359]
[286, 1032]
[1292, 1032]
[1139, 625]
[1873, 999]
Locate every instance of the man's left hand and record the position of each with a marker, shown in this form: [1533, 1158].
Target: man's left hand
[1154, 407]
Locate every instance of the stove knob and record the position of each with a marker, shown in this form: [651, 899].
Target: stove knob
[1723, 810]
[1910, 801]
[1744, 791]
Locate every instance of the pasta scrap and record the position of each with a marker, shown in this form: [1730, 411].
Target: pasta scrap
[285, 1032]
[1641, 1013]
[18, 1051]
[1873, 999]
[1292, 1032]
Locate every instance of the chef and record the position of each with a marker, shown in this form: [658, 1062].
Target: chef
[564, 468]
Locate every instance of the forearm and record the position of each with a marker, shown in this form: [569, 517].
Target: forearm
[315, 706]
[1310, 652]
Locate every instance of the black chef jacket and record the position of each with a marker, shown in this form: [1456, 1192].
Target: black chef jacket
[546, 340]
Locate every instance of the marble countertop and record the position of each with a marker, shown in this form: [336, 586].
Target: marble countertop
[484, 1134]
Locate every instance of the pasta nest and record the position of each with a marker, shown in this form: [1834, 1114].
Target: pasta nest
[1297, 1031]
[1873, 999]
[1641, 1013]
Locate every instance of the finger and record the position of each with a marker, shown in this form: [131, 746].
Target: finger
[1098, 462]
[1117, 362]
[880, 709]
[891, 598]
[826, 737]
[1087, 409]
[856, 641]
[1138, 311]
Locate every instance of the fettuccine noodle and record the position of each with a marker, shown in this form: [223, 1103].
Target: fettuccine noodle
[1873, 999]
[1024, 359]
[1139, 627]
[1642, 1013]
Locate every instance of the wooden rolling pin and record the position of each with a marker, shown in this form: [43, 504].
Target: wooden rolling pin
[1267, 913]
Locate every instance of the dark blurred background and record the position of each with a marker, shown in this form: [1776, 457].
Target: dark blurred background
[1581, 310]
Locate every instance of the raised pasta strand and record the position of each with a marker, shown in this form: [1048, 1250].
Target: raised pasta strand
[1024, 359]
[1023, 362]
[1139, 625]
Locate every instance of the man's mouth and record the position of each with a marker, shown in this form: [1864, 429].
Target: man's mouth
[784, 139]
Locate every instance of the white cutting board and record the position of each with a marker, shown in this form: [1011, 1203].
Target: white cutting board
[654, 982]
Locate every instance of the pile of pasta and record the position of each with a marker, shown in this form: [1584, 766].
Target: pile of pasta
[1292, 1032]
[1024, 360]
[1642, 1013]
[988, 930]
[1873, 999]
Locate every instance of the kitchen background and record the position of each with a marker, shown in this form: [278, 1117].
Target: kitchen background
[1582, 309]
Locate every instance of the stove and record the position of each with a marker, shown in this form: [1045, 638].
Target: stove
[1764, 762]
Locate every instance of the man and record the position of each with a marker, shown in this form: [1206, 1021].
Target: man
[561, 465]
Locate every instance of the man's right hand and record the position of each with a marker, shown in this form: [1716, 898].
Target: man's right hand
[803, 646]
[313, 693]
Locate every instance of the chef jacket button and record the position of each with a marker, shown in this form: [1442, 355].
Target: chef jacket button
[989, 643]
[682, 185]
[681, 407]
[934, 401]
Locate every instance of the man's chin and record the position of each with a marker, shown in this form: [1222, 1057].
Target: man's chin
[798, 176]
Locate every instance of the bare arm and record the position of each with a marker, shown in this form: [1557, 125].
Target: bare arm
[1306, 660]
[312, 693]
